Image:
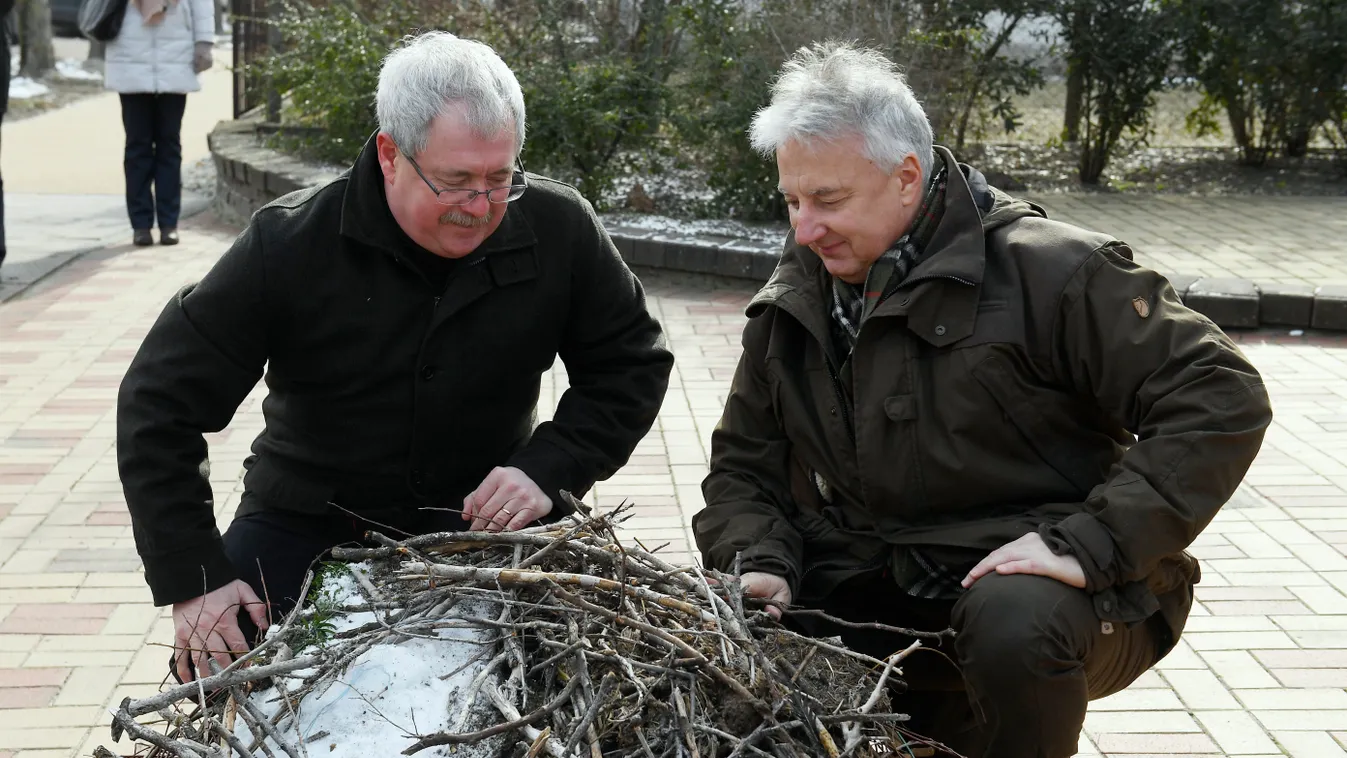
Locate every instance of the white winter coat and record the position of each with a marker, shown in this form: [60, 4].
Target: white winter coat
[158, 58]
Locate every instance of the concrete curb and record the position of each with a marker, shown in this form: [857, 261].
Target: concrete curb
[251, 175]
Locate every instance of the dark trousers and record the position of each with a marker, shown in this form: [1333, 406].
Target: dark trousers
[1029, 654]
[153, 158]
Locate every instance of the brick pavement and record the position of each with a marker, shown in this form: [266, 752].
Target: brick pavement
[1262, 670]
[1270, 240]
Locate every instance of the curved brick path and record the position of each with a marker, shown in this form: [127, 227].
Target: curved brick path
[1262, 670]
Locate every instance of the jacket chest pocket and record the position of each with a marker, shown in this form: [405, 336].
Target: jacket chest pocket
[1057, 442]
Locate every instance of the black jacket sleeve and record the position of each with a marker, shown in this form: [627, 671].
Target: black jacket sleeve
[199, 361]
[618, 365]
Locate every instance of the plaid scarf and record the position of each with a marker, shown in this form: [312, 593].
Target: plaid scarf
[917, 574]
[851, 304]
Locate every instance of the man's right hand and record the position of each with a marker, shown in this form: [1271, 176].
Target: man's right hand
[768, 586]
[208, 625]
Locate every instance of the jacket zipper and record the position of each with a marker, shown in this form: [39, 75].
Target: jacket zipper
[918, 280]
[838, 395]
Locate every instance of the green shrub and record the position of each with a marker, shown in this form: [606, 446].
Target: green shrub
[1121, 50]
[615, 86]
[593, 75]
[1274, 68]
[329, 71]
[730, 61]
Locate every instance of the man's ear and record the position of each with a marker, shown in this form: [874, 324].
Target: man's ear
[388, 153]
[911, 183]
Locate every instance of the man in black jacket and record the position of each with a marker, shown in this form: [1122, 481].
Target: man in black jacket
[405, 314]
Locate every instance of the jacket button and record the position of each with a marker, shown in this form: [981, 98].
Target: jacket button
[1108, 606]
[427, 372]
[940, 331]
[832, 411]
[417, 478]
[905, 301]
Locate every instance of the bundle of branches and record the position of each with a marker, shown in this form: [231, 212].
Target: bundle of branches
[565, 642]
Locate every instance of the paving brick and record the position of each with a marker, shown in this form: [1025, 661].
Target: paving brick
[26, 697]
[55, 716]
[1111, 722]
[1237, 733]
[1312, 677]
[1155, 744]
[1133, 699]
[29, 677]
[1239, 669]
[90, 685]
[76, 658]
[1303, 720]
[61, 738]
[1310, 744]
[1201, 690]
[1293, 699]
[1239, 640]
[1307, 659]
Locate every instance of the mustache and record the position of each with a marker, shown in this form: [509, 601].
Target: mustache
[466, 220]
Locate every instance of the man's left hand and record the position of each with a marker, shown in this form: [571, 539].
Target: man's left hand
[1029, 555]
[506, 500]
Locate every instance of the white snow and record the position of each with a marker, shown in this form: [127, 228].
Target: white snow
[67, 68]
[768, 232]
[393, 691]
[23, 88]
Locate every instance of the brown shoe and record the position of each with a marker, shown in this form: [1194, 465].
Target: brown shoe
[168, 236]
[142, 237]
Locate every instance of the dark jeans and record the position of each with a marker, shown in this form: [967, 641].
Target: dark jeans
[153, 125]
[1030, 653]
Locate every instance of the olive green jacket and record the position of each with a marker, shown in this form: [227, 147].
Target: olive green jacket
[1026, 376]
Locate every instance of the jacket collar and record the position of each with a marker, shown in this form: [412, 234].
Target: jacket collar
[939, 296]
[366, 218]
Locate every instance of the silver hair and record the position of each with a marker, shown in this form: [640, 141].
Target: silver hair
[433, 72]
[836, 89]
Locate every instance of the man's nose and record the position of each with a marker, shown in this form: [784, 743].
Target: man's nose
[478, 207]
[807, 229]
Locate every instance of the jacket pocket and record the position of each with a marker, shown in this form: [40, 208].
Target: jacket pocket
[277, 487]
[900, 408]
[1051, 443]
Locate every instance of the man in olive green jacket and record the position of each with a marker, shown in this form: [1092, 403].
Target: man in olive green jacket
[953, 412]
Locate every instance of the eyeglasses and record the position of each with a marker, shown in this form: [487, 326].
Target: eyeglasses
[498, 195]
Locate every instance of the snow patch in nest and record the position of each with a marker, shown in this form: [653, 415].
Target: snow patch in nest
[391, 692]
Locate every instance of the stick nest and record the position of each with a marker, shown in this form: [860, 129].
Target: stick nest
[596, 648]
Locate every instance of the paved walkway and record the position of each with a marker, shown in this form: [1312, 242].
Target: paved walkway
[1262, 670]
[1271, 240]
[64, 187]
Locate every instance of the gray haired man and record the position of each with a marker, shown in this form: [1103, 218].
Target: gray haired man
[953, 412]
[405, 313]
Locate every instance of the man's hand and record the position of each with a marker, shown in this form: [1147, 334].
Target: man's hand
[506, 500]
[768, 586]
[208, 625]
[1029, 555]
